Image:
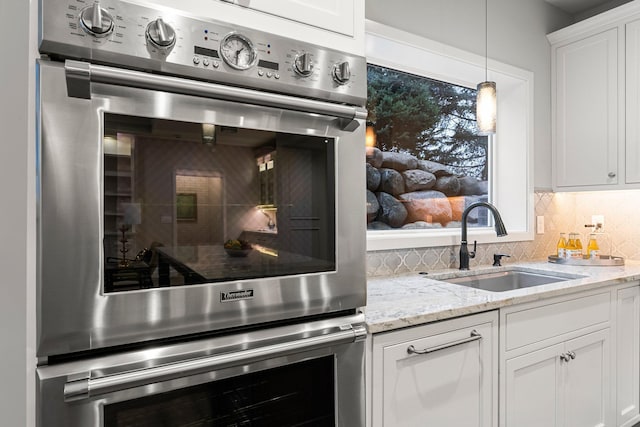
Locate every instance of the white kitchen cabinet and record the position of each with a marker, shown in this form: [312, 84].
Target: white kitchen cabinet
[628, 356]
[586, 111]
[596, 102]
[556, 363]
[454, 383]
[532, 390]
[337, 24]
[586, 383]
[632, 99]
[332, 15]
[565, 384]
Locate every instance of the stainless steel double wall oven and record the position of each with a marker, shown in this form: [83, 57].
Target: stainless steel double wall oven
[201, 247]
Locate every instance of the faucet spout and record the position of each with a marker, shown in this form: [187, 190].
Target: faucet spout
[501, 231]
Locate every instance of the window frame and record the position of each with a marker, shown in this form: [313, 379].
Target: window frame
[511, 164]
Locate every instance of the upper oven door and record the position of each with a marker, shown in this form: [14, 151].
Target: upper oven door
[163, 214]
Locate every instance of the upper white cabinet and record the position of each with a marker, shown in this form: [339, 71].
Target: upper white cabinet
[587, 111]
[596, 102]
[337, 24]
[632, 155]
[332, 15]
[441, 374]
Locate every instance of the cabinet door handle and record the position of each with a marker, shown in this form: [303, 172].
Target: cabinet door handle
[572, 355]
[474, 336]
[612, 174]
[565, 357]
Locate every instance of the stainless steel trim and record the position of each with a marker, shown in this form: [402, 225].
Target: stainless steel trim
[474, 336]
[86, 388]
[81, 74]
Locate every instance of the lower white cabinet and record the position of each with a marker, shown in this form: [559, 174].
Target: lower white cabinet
[439, 374]
[572, 361]
[628, 356]
[569, 361]
[565, 384]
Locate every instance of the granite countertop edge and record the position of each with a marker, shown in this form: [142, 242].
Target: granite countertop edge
[399, 301]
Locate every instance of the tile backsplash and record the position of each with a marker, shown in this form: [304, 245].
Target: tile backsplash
[563, 212]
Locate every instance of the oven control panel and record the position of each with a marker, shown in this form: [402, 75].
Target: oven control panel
[161, 40]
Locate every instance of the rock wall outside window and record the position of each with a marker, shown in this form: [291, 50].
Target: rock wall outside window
[404, 192]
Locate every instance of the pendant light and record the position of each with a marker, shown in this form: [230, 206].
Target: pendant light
[486, 101]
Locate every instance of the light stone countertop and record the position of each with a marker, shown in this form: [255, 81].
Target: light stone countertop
[399, 301]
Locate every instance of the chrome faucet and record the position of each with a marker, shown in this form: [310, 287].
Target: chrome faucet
[465, 255]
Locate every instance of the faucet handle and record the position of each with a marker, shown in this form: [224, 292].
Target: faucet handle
[497, 258]
[472, 254]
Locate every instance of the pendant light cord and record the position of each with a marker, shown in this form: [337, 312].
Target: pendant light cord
[486, 40]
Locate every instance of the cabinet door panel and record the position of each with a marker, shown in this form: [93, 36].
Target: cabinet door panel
[586, 381]
[632, 99]
[532, 397]
[586, 150]
[628, 356]
[448, 387]
[334, 15]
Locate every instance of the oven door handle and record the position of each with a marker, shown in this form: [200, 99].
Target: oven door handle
[86, 388]
[80, 75]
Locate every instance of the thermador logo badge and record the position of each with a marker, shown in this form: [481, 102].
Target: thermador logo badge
[236, 295]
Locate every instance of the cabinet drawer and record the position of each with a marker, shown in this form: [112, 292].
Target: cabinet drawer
[538, 323]
[441, 374]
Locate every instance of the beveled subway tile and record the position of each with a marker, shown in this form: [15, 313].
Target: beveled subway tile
[563, 212]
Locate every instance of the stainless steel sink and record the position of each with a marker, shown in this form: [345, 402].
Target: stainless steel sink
[501, 281]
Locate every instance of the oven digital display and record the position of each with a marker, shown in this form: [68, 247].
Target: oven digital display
[205, 52]
[268, 64]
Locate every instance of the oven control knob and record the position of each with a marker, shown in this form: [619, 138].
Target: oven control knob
[342, 73]
[161, 35]
[96, 20]
[303, 65]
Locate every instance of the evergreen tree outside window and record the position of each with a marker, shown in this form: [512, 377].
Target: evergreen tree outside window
[428, 162]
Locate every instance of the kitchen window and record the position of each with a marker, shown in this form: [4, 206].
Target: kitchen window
[425, 161]
[499, 166]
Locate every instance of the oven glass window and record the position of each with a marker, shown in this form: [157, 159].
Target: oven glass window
[189, 203]
[301, 394]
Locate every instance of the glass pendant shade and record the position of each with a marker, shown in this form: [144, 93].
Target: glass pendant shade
[370, 137]
[486, 108]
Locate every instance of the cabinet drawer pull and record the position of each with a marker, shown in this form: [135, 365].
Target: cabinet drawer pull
[612, 174]
[474, 336]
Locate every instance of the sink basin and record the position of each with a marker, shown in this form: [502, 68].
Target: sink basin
[501, 281]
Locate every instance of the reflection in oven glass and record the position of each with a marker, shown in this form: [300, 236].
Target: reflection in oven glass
[300, 394]
[187, 203]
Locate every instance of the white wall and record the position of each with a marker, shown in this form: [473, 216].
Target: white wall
[517, 36]
[17, 177]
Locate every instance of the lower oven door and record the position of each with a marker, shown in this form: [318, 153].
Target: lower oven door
[308, 374]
